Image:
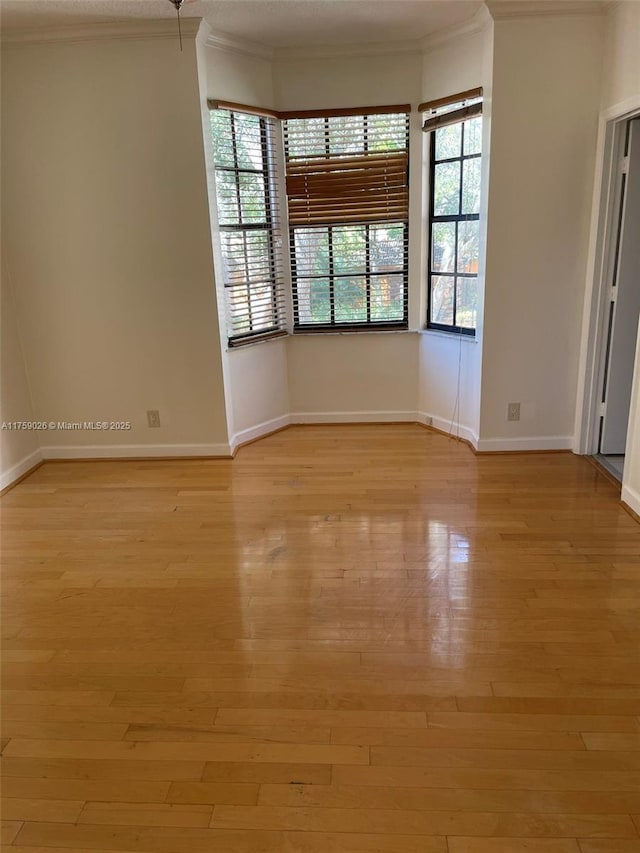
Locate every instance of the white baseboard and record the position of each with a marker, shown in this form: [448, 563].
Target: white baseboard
[134, 451]
[159, 451]
[353, 417]
[454, 429]
[632, 498]
[20, 469]
[552, 442]
[258, 431]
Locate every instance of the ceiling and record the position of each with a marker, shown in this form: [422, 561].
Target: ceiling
[275, 23]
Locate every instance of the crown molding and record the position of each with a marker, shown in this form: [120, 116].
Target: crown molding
[503, 9]
[327, 51]
[476, 24]
[233, 44]
[112, 31]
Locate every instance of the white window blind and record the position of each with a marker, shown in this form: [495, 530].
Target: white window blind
[249, 222]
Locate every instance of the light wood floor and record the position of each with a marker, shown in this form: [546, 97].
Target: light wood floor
[360, 639]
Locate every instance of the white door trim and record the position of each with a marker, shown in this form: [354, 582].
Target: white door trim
[600, 261]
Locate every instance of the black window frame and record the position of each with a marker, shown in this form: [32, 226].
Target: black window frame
[367, 325]
[452, 328]
[270, 226]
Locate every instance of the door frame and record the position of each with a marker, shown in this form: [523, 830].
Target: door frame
[600, 261]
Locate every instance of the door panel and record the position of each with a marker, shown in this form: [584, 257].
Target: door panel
[624, 329]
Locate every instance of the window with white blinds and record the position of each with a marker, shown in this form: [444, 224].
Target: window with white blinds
[347, 178]
[249, 222]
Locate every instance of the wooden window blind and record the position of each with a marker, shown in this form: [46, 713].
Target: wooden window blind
[348, 200]
[249, 222]
[444, 112]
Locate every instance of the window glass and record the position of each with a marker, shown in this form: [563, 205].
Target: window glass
[454, 227]
[347, 186]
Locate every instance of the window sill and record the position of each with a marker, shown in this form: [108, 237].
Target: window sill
[326, 332]
[450, 336]
[249, 342]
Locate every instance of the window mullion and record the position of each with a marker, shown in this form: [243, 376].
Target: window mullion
[235, 163]
[368, 270]
[247, 282]
[332, 281]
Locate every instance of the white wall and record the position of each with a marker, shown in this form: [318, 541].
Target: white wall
[260, 389]
[620, 89]
[19, 449]
[621, 77]
[239, 77]
[106, 237]
[546, 77]
[450, 366]
[255, 376]
[357, 377]
[364, 372]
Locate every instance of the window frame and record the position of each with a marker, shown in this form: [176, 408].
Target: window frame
[270, 226]
[368, 325]
[450, 328]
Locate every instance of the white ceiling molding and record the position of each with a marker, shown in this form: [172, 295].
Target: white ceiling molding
[501, 9]
[233, 44]
[475, 24]
[326, 51]
[162, 29]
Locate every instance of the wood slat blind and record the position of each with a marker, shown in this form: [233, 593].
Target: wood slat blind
[350, 171]
[444, 112]
[450, 100]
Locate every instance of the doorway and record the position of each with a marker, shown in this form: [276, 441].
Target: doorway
[621, 302]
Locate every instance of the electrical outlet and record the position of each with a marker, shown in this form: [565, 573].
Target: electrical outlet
[153, 418]
[513, 411]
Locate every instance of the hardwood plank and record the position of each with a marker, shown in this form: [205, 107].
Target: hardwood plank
[310, 699]
[26, 655]
[43, 730]
[56, 697]
[448, 799]
[230, 734]
[544, 780]
[533, 722]
[224, 793]
[511, 845]
[184, 751]
[462, 738]
[145, 814]
[129, 715]
[9, 830]
[120, 790]
[64, 811]
[397, 821]
[83, 768]
[611, 740]
[229, 771]
[269, 717]
[522, 759]
[189, 840]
